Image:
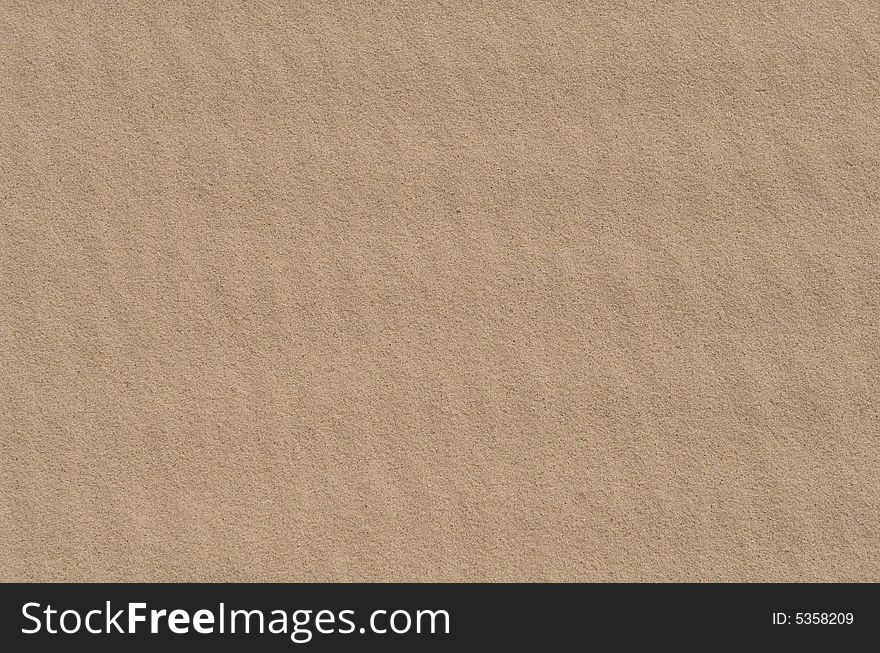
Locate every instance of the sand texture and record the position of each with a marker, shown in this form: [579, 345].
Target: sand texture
[440, 291]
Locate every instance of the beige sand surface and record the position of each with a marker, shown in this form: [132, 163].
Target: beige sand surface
[440, 291]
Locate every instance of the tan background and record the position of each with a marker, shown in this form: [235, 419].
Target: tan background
[439, 291]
